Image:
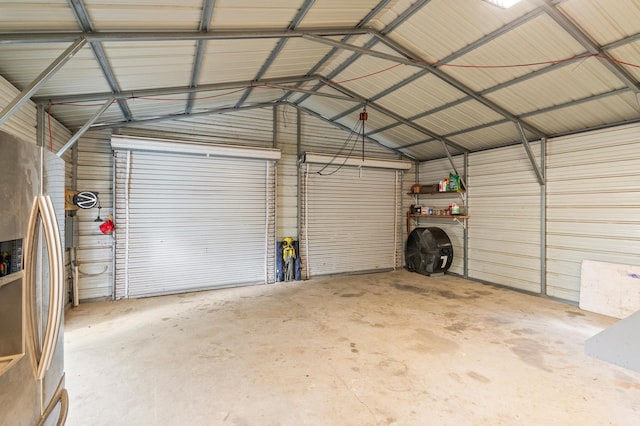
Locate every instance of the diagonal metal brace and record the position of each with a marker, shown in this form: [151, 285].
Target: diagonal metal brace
[45, 75]
[532, 157]
[84, 128]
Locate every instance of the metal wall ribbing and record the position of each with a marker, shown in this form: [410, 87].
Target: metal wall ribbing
[504, 228]
[592, 204]
[189, 222]
[248, 128]
[95, 250]
[286, 140]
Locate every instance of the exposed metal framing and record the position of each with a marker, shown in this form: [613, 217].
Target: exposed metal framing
[453, 164]
[396, 117]
[181, 116]
[531, 155]
[82, 16]
[84, 128]
[205, 22]
[45, 75]
[480, 42]
[40, 126]
[92, 97]
[279, 46]
[543, 218]
[345, 128]
[433, 70]
[390, 27]
[582, 38]
[138, 36]
[364, 21]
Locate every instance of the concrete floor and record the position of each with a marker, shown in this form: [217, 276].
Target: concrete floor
[383, 349]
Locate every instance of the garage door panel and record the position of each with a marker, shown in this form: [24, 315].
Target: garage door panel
[351, 220]
[190, 222]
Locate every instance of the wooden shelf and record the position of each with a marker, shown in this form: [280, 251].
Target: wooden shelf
[460, 191]
[439, 216]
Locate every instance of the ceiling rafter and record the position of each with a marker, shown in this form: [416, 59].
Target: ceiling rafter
[82, 16]
[363, 22]
[91, 97]
[397, 117]
[512, 82]
[408, 13]
[457, 54]
[205, 24]
[302, 12]
[346, 129]
[21, 37]
[581, 37]
[179, 116]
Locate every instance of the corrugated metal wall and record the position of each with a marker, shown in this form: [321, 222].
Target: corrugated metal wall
[188, 222]
[431, 173]
[253, 127]
[351, 221]
[95, 250]
[505, 208]
[592, 204]
[286, 119]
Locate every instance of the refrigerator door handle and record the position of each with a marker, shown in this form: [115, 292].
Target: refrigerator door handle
[42, 356]
[61, 397]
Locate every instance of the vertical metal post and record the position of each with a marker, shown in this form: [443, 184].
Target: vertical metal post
[543, 218]
[466, 228]
[298, 163]
[40, 125]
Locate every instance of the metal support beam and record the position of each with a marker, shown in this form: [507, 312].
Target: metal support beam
[396, 117]
[84, 128]
[205, 23]
[45, 75]
[304, 9]
[182, 116]
[593, 48]
[543, 219]
[163, 91]
[82, 16]
[133, 36]
[453, 164]
[390, 27]
[345, 128]
[40, 120]
[435, 71]
[530, 154]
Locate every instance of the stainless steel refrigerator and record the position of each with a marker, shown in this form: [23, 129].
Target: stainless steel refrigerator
[31, 285]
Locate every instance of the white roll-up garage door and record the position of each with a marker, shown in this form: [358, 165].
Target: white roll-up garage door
[350, 220]
[192, 222]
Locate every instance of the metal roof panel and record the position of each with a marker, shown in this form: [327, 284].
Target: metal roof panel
[572, 82]
[144, 14]
[234, 60]
[444, 26]
[252, 14]
[50, 15]
[604, 21]
[462, 116]
[611, 109]
[539, 40]
[140, 65]
[296, 58]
